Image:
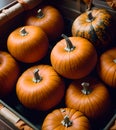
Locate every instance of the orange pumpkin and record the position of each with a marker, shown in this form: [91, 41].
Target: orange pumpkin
[94, 25]
[106, 67]
[29, 4]
[28, 44]
[48, 18]
[65, 119]
[40, 88]
[73, 57]
[90, 96]
[9, 73]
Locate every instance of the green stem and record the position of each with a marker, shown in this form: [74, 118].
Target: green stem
[40, 14]
[37, 77]
[66, 122]
[23, 32]
[86, 89]
[70, 46]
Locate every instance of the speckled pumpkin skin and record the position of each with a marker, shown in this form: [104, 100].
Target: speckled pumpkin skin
[97, 30]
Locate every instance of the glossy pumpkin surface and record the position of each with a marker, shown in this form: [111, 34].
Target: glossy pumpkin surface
[9, 73]
[107, 67]
[90, 96]
[40, 88]
[66, 119]
[48, 18]
[94, 25]
[73, 57]
[28, 44]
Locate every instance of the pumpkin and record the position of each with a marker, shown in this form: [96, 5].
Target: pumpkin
[112, 4]
[73, 57]
[94, 25]
[28, 44]
[29, 4]
[48, 18]
[9, 73]
[40, 88]
[88, 95]
[106, 67]
[65, 119]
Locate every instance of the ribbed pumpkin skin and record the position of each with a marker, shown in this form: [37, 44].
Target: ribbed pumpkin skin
[95, 104]
[29, 48]
[97, 31]
[42, 95]
[77, 63]
[9, 73]
[107, 67]
[53, 120]
[52, 22]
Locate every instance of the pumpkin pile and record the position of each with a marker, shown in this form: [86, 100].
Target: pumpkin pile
[76, 75]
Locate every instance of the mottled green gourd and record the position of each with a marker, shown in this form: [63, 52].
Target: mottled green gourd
[94, 25]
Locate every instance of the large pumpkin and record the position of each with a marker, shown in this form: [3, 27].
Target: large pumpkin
[73, 57]
[48, 18]
[90, 96]
[28, 44]
[9, 73]
[107, 67]
[40, 88]
[94, 25]
[65, 119]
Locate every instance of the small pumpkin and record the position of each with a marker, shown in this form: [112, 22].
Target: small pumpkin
[90, 96]
[29, 4]
[9, 73]
[94, 25]
[106, 67]
[40, 88]
[48, 18]
[28, 44]
[112, 4]
[66, 119]
[73, 57]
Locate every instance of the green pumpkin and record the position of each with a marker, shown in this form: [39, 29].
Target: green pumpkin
[94, 25]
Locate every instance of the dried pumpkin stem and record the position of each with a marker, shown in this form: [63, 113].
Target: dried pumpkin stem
[66, 122]
[37, 77]
[89, 4]
[70, 46]
[90, 17]
[23, 32]
[85, 89]
[40, 14]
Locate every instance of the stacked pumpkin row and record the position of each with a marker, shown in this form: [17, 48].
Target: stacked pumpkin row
[43, 86]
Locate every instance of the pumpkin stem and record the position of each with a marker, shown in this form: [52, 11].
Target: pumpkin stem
[37, 77]
[40, 14]
[114, 60]
[23, 32]
[66, 122]
[85, 89]
[90, 17]
[89, 4]
[70, 46]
